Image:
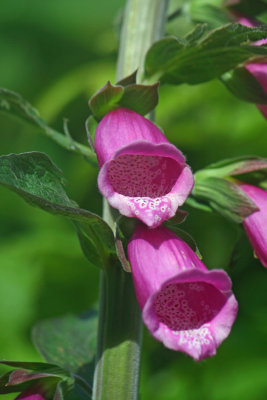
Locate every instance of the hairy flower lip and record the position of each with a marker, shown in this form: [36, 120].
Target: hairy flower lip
[174, 198]
[219, 326]
[186, 306]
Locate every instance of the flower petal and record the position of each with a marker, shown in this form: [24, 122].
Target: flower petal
[146, 180]
[256, 223]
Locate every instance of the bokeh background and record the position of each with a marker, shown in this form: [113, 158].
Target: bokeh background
[57, 54]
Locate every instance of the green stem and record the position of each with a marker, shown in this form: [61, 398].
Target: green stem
[120, 324]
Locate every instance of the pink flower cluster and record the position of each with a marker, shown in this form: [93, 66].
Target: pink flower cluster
[258, 68]
[186, 306]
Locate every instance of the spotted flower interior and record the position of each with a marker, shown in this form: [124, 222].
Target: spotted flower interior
[143, 175]
[185, 306]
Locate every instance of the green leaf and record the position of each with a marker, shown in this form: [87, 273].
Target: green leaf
[193, 36]
[105, 100]
[244, 85]
[128, 80]
[69, 342]
[233, 166]
[91, 125]
[139, 98]
[13, 104]
[34, 366]
[38, 181]
[208, 13]
[224, 197]
[19, 379]
[218, 52]
[198, 204]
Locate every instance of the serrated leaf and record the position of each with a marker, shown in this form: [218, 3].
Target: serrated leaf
[13, 104]
[105, 100]
[38, 181]
[69, 341]
[218, 52]
[224, 197]
[244, 85]
[193, 36]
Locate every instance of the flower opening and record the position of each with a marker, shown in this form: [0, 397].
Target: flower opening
[144, 176]
[185, 306]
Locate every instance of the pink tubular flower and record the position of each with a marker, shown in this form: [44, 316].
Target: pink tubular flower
[142, 174]
[256, 223]
[185, 306]
[30, 394]
[257, 69]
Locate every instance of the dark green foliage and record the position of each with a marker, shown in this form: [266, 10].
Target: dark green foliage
[35, 178]
[171, 60]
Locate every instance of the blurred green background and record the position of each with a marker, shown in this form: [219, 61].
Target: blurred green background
[57, 54]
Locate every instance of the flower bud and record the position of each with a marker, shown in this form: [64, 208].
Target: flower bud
[256, 223]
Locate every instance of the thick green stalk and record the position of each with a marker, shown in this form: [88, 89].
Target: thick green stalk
[120, 324]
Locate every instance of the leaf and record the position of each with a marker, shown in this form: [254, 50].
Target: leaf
[105, 100]
[193, 36]
[224, 197]
[69, 342]
[218, 52]
[139, 98]
[33, 366]
[90, 126]
[13, 104]
[128, 80]
[18, 380]
[244, 85]
[120, 251]
[234, 166]
[38, 181]
[208, 13]
[20, 376]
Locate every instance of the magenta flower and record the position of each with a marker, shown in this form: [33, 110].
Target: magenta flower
[185, 306]
[30, 396]
[256, 224]
[142, 174]
[32, 393]
[257, 69]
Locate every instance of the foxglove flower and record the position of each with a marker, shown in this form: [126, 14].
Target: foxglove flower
[257, 69]
[29, 395]
[256, 223]
[185, 306]
[142, 174]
